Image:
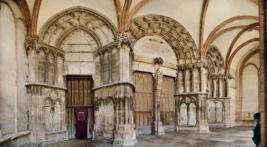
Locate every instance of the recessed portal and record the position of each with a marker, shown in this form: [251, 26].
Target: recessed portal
[79, 107]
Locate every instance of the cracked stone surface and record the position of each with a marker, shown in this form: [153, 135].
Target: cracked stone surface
[232, 137]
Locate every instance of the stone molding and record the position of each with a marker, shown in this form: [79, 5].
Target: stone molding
[191, 93]
[46, 85]
[198, 64]
[13, 136]
[47, 48]
[114, 84]
[107, 48]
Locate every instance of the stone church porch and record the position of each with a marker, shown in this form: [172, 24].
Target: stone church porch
[231, 137]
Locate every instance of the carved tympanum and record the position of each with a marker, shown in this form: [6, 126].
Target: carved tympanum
[215, 61]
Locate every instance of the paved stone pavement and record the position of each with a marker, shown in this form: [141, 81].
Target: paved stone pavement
[233, 137]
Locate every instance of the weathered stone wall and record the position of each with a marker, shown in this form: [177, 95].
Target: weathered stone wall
[13, 99]
[80, 41]
[247, 92]
[8, 71]
[22, 103]
[47, 113]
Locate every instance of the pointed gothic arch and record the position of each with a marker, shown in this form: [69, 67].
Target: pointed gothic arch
[98, 25]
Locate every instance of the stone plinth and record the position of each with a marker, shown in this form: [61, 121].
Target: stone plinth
[158, 127]
[203, 126]
[125, 135]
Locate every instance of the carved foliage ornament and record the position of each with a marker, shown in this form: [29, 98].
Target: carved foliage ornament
[173, 32]
[187, 100]
[78, 16]
[31, 42]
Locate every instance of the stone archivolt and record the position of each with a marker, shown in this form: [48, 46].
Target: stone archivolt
[171, 31]
[80, 31]
[59, 25]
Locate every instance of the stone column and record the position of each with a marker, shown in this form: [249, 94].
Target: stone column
[180, 81]
[195, 79]
[220, 87]
[158, 75]
[203, 106]
[125, 134]
[214, 88]
[227, 113]
[263, 70]
[187, 77]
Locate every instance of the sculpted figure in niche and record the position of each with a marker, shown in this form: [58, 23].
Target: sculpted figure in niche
[57, 116]
[52, 113]
[212, 112]
[183, 115]
[48, 115]
[109, 117]
[219, 112]
[192, 115]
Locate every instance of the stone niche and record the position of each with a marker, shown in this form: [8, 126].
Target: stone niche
[47, 113]
[217, 87]
[191, 97]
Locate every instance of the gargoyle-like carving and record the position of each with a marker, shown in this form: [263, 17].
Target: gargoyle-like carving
[158, 60]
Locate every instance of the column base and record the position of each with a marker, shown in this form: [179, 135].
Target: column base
[204, 126]
[160, 128]
[125, 135]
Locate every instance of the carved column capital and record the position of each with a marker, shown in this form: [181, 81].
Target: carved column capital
[31, 42]
[124, 39]
[228, 76]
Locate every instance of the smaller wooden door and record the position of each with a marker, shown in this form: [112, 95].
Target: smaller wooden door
[81, 123]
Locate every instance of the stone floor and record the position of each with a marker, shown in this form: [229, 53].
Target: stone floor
[234, 137]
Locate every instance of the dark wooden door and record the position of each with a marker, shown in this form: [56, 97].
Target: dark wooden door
[79, 95]
[81, 123]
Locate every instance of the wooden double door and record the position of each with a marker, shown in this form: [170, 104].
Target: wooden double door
[143, 100]
[79, 107]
